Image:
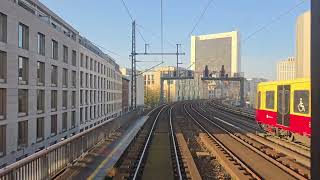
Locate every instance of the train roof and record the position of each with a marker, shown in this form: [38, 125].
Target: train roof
[300, 80]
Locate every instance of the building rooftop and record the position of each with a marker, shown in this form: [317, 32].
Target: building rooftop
[54, 21]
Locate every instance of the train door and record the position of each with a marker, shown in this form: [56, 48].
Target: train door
[283, 105]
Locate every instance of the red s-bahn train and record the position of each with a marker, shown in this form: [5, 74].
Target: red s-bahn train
[284, 109]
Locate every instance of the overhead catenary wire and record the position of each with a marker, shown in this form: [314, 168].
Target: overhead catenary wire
[149, 69]
[277, 18]
[161, 9]
[200, 17]
[132, 19]
[156, 35]
[127, 9]
[103, 48]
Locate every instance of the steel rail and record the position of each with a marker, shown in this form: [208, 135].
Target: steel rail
[237, 111]
[281, 166]
[174, 143]
[298, 154]
[147, 143]
[248, 169]
[290, 146]
[231, 115]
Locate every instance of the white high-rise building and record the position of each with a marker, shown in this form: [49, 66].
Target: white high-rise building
[215, 51]
[286, 69]
[251, 90]
[303, 45]
[53, 82]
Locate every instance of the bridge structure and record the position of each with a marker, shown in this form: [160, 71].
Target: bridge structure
[190, 75]
[235, 79]
[177, 75]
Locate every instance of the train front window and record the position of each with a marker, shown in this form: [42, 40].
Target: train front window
[270, 99]
[301, 102]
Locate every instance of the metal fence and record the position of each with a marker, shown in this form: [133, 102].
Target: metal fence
[49, 162]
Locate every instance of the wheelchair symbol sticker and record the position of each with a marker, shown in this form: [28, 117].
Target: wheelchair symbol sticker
[301, 107]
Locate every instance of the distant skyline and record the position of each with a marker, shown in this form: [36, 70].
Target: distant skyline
[107, 24]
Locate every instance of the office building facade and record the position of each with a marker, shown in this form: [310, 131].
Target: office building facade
[215, 51]
[286, 70]
[125, 94]
[42, 89]
[303, 45]
[126, 72]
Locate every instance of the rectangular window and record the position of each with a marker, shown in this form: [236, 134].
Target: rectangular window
[81, 115]
[41, 44]
[90, 97]
[65, 78]
[87, 62]
[86, 114]
[81, 79]
[23, 70]
[3, 27]
[87, 80]
[54, 125]
[23, 102]
[91, 112]
[91, 81]
[40, 73]
[86, 97]
[81, 60]
[73, 119]
[64, 99]
[301, 101]
[54, 49]
[54, 100]
[40, 129]
[3, 103]
[270, 99]
[54, 75]
[74, 58]
[23, 36]
[65, 54]
[81, 97]
[98, 82]
[40, 101]
[3, 142]
[91, 64]
[22, 134]
[64, 121]
[74, 78]
[73, 102]
[3, 66]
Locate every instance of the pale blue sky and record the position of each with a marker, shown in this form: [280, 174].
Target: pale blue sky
[106, 23]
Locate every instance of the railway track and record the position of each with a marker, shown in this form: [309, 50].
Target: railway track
[201, 164]
[160, 158]
[249, 128]
[256, 163]
[155, 153]
[125, 167]
[231, 162]
[249, 117]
